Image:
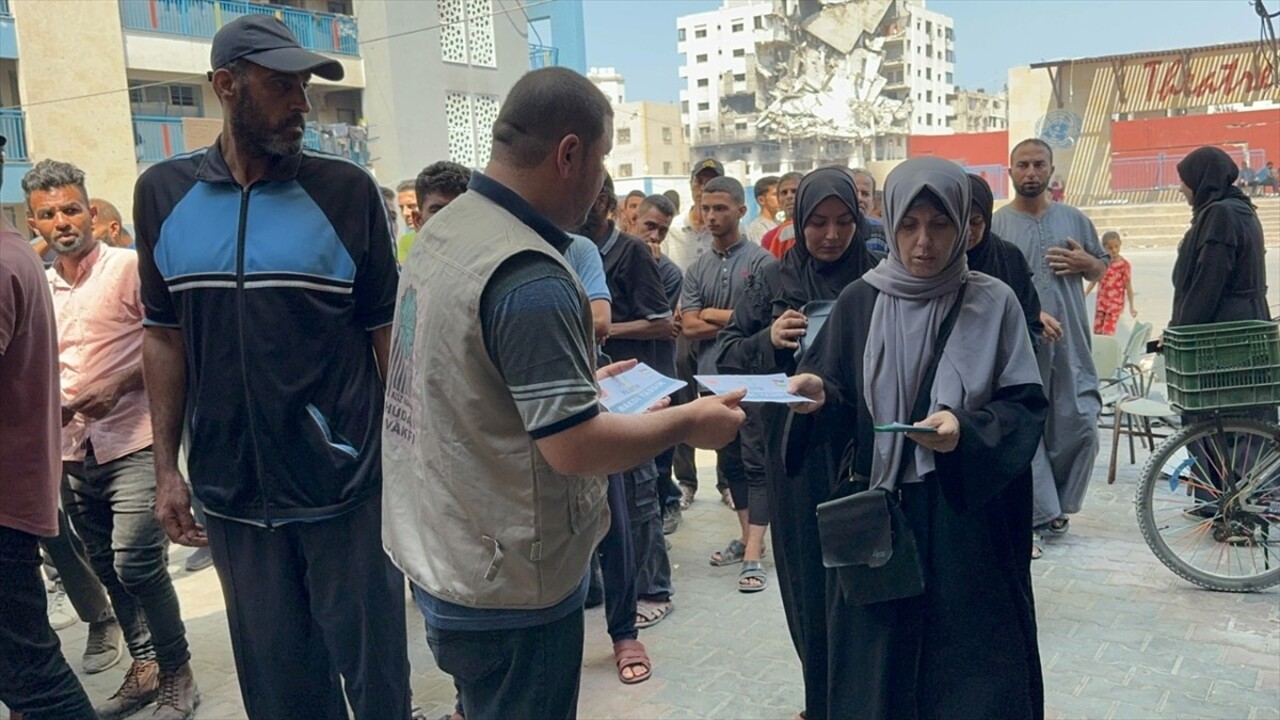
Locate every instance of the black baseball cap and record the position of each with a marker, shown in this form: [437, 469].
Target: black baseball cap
[708, 164]
[265, 40]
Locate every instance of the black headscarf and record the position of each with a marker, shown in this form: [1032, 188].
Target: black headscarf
[984, 257]
[1211, 174]
[804, 278]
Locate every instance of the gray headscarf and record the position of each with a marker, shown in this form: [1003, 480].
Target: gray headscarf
[908, 312]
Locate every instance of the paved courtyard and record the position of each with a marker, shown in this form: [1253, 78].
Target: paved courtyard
[1120, 636]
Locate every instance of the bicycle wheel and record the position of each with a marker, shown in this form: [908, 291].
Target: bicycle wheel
[1208, 504]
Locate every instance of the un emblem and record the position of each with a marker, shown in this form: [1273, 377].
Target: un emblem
[1059, 128]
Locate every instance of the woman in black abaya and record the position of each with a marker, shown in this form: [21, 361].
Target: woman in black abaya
[991, 254]
[761, 338]
[966, 647]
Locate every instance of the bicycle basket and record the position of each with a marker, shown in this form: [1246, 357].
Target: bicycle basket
[1223, 365]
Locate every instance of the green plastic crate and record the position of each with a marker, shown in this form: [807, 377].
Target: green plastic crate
[1223, 365]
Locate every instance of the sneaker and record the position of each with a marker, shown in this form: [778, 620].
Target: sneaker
[141, 686]
[178, 695]
[686, 496]
[671, 519]
[105, 646]
[61, 614]
[199, 560]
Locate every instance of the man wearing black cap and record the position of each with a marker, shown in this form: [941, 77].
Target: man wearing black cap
[268, 279]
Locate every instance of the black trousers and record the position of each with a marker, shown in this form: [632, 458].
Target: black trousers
[618, 565]
[112, 507]
[314, 607]
[34, 676]
[507, 674]
[67, 555]
[741, 464]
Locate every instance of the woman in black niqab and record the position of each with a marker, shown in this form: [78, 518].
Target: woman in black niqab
[747, 346]
[989, 253]
[1220, 273]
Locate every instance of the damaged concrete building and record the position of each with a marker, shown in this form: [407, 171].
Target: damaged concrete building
[781, 85]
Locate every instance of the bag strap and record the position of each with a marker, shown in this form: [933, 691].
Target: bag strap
[921, 406]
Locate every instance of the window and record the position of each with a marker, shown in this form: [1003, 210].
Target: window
[704, 132]
[740, 53]
[928, 96]
[666, 168]
[951, 78]
[759, 22]
[174, 100]
[624, 170]
[740, 125]
[680, 34]
[666, 136]
[700, 58]
[740, 77]
[703, 107]
[770, 167]
[702, 82]
[624, 136]
[928, 119]
[928, 73]
[684, 107]
[699, 33]
[737, 27]
[951, 56]
[466, 32]
[928, 27]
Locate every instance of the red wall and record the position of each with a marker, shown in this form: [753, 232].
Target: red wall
[1258, 129]
[970, 149]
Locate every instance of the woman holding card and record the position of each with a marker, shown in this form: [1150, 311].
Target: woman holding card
[922, 340]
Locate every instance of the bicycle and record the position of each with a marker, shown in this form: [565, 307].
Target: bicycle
[1208, 500]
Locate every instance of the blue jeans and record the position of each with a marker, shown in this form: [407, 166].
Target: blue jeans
[34, 676]
[112, 507]
[526, 673]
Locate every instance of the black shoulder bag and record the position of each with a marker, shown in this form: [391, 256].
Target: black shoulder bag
[865, 536]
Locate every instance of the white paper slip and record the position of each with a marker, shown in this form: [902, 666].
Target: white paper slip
[636, 390]
[760, 388]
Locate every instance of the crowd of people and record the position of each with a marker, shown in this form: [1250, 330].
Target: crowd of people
[345, 409]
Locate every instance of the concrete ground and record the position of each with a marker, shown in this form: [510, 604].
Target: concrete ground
[1120, 635]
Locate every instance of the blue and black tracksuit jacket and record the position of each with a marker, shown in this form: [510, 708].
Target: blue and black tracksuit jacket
[275, 289]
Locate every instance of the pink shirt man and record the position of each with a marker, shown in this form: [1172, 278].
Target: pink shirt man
[30, 471]
[100, 334]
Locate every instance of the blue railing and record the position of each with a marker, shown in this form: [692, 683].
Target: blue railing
[541, 56]
[4, 7]
[14, 130]
[348, 141]
[325, 32]
[157, 138]
[1160, 171]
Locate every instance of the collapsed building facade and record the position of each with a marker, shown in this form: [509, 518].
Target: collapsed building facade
[781, 85]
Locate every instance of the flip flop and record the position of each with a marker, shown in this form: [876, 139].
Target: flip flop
[650, 613]
[732, 554]
[752, 570]
[1036, 551]
[631, 654]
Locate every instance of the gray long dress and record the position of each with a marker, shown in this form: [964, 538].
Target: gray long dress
[1064, 462]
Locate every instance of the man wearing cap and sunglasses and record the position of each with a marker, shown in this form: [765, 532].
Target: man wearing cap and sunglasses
[269, 279]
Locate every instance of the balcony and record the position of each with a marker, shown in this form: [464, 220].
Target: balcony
[13, 128]
[4, 7]
[541, 56]
[157, 138]
[323, 32]
[347, 141]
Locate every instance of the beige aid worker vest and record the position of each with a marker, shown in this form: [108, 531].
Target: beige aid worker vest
[472, 512]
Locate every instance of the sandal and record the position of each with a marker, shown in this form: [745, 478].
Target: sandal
[752, 570]
[731, 555]
[650, 612]
[631, 654]
[1059, 526]
[1036, 552]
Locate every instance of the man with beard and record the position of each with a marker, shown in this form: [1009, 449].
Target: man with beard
[108, 226]
[268, 277]
[780, 239]
[109, 485]
[640, 319]
[1061, 246]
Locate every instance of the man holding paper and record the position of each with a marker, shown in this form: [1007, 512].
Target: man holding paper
[712, 287]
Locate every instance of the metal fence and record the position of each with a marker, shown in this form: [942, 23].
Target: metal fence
[997, 176]
[14, 129]
[541, 56]
[348, 141]
[326, 32]
[1160, 171]
[157, 138]
[4, 7]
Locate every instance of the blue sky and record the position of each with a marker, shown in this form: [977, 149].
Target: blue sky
[638, 37]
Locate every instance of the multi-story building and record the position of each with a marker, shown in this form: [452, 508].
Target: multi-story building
[610, 82]
[423, 82]
[980, 111]
[648, 141]
[785, 85]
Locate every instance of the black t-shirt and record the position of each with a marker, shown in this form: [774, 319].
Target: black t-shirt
[638, 294]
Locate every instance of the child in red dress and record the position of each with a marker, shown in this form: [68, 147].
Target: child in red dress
[1114, 286]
